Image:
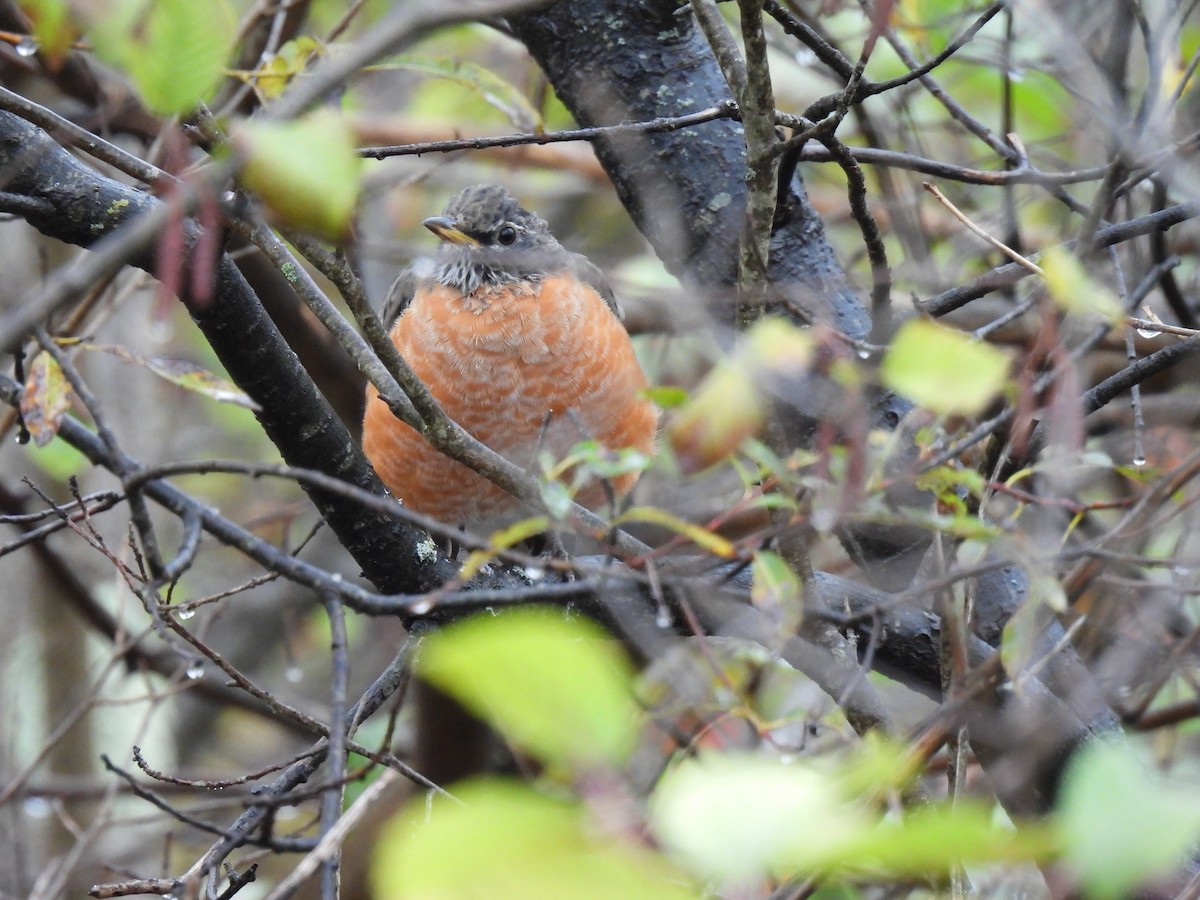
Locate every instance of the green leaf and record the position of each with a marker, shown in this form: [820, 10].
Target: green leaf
[307, 171]
[174, 50]
[505, 840]
[666, 396]
[1121, 823]
[1074, 290]
[496, 91]
[942, 369]
[561, 690]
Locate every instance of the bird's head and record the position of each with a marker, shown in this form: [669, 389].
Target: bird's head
[488, 238]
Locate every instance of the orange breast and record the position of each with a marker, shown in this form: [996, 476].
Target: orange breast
[546, 367]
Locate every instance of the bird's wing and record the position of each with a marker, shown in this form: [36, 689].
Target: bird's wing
[401, 293]
[587, 272]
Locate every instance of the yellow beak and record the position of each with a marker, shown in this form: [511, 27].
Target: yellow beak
[444, 229]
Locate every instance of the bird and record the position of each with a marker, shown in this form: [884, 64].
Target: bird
[521, 343]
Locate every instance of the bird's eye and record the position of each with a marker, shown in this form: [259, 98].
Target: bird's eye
[506, 235]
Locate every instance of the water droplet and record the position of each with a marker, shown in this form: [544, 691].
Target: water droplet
[864, 353]
[184, 614]
[26, 46]
[663, 618]
[195, 671]
[1149, 332]
[22, 437]
[293, 674]
[1139, 460]
[37, 807]
[335, 577]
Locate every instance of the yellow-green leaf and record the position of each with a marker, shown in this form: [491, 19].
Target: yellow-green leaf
[276, 73]
[1074, 290]
[306, 171]
[731, 404]
[46, 399]
[53, 30]
[559, 689]
[701, 537]
[496, 91]
[184, 374]
[942, 369]
[502, 540]
[666, 396]
[502, 840]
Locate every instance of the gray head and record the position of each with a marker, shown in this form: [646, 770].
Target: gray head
[489, 239]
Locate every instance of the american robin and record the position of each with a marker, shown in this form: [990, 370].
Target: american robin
[521, 343]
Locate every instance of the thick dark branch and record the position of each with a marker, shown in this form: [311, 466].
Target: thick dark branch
[293, 413]
[685, 189]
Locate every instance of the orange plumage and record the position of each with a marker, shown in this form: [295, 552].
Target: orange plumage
[517, 344]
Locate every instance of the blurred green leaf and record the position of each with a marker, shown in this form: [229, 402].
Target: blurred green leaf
[698, 535]
[505, 841]
[776, 588]
[933, 839]
[58, 459]
[742, 818]
[667, 396]
[307, 171]
[736, 818]
[1121, 823]
[174, 50]
[1074, 290]
[1020, 639]
[729, 406]
[496, 91]
[53, 29]
[942, 369]
[561, 690]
